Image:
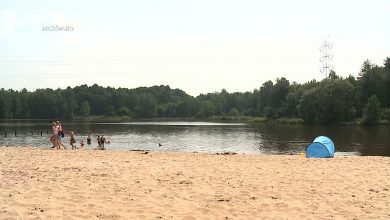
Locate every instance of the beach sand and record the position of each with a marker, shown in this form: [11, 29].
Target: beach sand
[87, 184]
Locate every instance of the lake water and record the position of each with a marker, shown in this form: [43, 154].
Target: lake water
[205, 136]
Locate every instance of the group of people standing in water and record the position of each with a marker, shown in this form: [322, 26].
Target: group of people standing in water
[58, 134]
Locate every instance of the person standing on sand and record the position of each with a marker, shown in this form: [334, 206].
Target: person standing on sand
[60, 134]
[72, 139]
[99, 142]
[102, 141]
[53, 137]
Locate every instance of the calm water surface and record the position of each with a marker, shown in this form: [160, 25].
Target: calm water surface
[205, 136]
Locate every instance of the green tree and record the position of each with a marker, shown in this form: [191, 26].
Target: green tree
[372, 110]
[146, 106]
[279, 95]
[308, 105]
[234, 112]
[123, 111]
[333, 75]
[265, 96]
[5, 105]
[85, 109]
[330, 101]
[207, 109]
[17, 106]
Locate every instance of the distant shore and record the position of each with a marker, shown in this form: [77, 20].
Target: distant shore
[235, 119]
[87, 184]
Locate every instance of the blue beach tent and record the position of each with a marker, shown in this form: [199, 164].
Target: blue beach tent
[322, 147]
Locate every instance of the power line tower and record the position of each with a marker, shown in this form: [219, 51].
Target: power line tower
[326, 58]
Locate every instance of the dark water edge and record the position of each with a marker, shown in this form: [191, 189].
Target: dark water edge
[208, 137]
[222, 119]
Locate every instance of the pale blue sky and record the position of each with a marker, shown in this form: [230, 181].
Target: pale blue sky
[198, 46]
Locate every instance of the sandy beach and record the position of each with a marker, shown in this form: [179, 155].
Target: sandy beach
[87, 184]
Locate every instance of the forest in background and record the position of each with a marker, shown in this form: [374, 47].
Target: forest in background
[365, 99]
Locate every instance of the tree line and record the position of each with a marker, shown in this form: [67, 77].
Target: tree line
[365, 98]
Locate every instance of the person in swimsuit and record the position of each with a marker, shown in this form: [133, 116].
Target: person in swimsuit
[89, 139]
[99, 142]
[53, 137]
[60, 134]
[72, 140]
[102, 141]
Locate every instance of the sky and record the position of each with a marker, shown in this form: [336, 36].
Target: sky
[198, 46]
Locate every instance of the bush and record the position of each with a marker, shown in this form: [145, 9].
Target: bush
[234, 112]
[372, 111]
[123, 111]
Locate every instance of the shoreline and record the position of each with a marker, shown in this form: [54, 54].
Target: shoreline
[302, 153]
[93, 184]
[219, 119]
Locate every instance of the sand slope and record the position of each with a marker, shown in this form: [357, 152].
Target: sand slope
[86, 184]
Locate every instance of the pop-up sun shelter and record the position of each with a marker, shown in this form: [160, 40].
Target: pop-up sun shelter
[322, 147]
